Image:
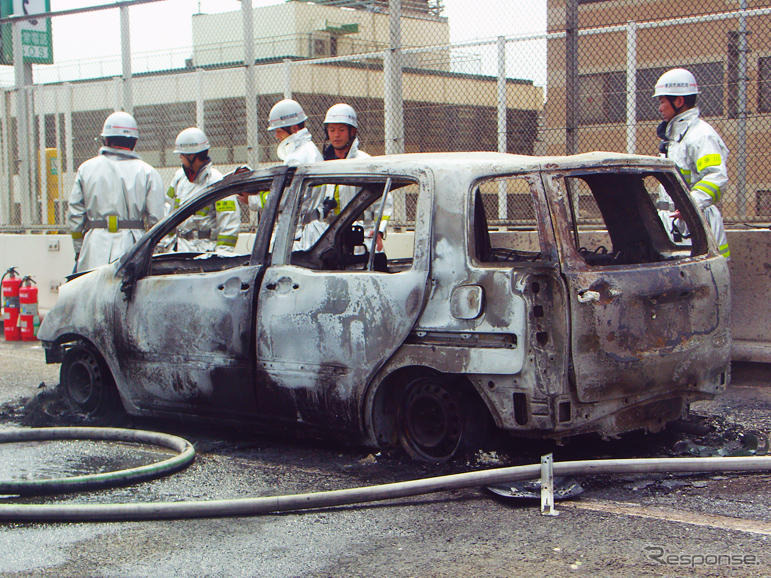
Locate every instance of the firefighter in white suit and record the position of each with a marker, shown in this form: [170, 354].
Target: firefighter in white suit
[695, 147]
[115, 198]
[211, 228]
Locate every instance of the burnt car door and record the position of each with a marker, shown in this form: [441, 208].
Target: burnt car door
[648, 309]
[332, 308]
[185, 330]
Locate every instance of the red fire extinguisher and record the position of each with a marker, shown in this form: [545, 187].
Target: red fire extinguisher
[29, 320]
[11, 285]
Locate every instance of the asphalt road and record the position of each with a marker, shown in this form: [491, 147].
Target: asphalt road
[657, 524]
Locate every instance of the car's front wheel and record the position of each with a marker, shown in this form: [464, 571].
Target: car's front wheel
[87, 382]
[437, 420]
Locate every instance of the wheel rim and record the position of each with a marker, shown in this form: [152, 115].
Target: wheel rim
[433, 421]
[84, 380]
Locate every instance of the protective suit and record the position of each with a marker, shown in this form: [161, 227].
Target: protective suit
[212, 228]
[115, 196]
[296, 149]
[342, 195]
[700, 155]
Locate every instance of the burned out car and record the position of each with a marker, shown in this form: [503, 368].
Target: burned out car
[542, 296]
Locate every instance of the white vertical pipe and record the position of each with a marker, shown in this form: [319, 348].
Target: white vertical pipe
[631, 87]
[42, 160]
[125, 49]
[200, 119]
[117, 93]
[5, 160]
[21, 74]
[287, 70]
[250, 93]
[502, 127]
[741, 140]
[68, 150]
[392, 71]
[58, 131]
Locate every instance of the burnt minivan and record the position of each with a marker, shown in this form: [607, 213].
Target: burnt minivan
[541, 296]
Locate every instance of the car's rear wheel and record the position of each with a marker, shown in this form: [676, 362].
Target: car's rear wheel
[436, 420]
[87, 382]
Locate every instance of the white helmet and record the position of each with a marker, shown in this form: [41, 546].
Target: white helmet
[343, 114]
[120, 124]
[676, 82]
[190, 141]
[285, 113]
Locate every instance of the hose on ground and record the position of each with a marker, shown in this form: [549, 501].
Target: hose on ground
[185, 455]
[295, 502]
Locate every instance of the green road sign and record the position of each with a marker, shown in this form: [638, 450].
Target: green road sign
[35, 33]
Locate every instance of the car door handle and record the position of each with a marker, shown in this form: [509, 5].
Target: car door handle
[587, 296]
[233, 286]
[282, 285]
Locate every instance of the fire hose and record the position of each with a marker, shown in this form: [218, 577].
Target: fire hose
[252, 506]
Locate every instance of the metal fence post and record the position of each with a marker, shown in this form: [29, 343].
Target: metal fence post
[741, 141]
[631, 87]
[200, 117]
[250, 91]
[287, 68]
[392, 81]
[571, 77]
[5, 161]
[42, 160]
[68, 138]
[23, 78]
[125, 49]
[502, 128]
[58, 141]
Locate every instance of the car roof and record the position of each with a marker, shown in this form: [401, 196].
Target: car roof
[481, 161]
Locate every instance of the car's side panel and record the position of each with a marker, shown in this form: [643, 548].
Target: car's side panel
[322, 334]
[184, 340]
[647, 329]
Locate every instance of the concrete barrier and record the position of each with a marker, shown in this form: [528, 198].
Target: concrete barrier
[750, 292]
[48, 259]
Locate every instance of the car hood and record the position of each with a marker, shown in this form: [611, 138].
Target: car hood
[82, 305]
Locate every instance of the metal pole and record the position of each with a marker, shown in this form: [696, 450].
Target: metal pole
[741, 140]
[125, 49]
[287, 68]
[631, 90]
[200, 118]
[5, 161]
[502, 128]
[68, 149]
[42, 161]
[23, 78]
[117, 93]
[58, 137]
[250, 93]
[571, 77]
[392, 69]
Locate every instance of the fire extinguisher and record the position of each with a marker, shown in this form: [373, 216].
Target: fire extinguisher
[29, 320]
[10, 286]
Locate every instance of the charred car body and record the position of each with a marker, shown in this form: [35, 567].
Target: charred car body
[543, 296]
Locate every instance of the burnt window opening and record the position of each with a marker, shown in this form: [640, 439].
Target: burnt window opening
[170, 256]
[623, 218]
[504, 223]
[336, 223]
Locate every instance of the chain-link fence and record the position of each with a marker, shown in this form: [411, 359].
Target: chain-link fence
[584, 83]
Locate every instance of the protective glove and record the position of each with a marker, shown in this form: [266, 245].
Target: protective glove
[328, 205]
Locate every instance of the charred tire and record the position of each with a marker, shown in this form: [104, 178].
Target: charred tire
[86, 381]
[436, 421]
